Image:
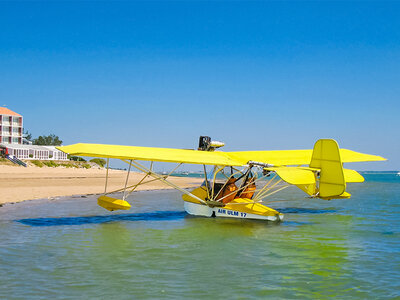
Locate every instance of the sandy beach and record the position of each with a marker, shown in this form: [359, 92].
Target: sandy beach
[19, 184]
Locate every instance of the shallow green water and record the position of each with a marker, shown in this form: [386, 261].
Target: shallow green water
[71, 248]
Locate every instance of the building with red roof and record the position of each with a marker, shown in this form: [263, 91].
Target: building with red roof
[12, 145]
[11, 126]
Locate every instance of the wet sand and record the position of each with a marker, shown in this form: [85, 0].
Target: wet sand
[19, 184]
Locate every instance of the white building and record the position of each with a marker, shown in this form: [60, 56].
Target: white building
[33, 152]
[10, 127]
[11, 140]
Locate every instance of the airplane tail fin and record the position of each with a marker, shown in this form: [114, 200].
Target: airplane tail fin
[330, 180]
[326, 157]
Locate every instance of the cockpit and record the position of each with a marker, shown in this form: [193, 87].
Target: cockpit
[224, 184]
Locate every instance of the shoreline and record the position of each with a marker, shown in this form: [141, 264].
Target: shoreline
[80, 196]
[18, 184]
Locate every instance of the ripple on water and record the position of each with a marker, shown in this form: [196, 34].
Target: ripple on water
[70, 248]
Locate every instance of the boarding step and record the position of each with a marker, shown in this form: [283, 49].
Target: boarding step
[15, 160]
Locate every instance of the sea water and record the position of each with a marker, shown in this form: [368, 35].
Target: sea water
[71, 248]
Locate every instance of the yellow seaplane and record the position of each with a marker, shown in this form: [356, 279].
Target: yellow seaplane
[239, 182]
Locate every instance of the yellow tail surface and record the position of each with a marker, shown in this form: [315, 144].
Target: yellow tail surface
[326, 157]
[332, 179]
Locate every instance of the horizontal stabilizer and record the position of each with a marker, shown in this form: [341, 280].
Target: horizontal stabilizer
[294, 175]
[352, 176]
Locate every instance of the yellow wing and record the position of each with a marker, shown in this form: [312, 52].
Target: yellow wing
[151, 154]
[296, 157]
[275, 157]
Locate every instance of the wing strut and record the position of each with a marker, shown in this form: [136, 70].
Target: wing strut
[206, 181]
[127, 178]
[161, 178]
[105, 187]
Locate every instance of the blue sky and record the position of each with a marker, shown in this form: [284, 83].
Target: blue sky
[256, 75]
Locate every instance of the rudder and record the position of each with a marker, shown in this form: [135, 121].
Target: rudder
[326, 157]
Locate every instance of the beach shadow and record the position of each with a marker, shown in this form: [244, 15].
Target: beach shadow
[300, 210]
[150, 216]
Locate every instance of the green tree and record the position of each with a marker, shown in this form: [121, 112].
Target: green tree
[75, 158]
[101, 162]
[48, 140]
[27, 135]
